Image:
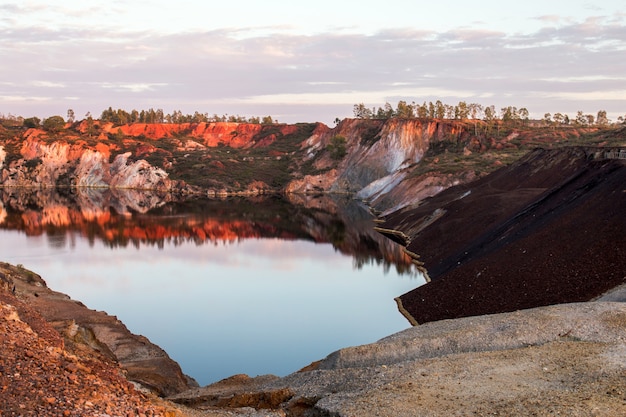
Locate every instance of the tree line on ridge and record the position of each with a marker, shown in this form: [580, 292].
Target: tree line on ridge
[475, 111]
[437, 110]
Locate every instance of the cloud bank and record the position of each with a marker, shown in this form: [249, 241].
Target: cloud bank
[565, 66]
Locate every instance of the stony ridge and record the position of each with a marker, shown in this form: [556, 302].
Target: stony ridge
[201, 157]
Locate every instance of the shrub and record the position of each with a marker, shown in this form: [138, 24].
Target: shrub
[32, 122]
[53, 124]
[337, 147]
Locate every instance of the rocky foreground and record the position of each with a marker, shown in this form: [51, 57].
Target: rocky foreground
[567, 359]
[561, 360]
[44, 372]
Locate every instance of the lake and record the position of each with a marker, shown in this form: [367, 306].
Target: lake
[253, 286]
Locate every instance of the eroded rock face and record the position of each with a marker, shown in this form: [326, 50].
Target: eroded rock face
[139, 175]
[235, 135]
[3, 155]
[400, 189]
[59, 163]
[144, 362]
[379, 155]
[92, 170]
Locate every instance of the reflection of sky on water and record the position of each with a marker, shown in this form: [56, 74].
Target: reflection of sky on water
[258, 306]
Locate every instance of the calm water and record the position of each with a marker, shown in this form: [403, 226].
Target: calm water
[225, 287]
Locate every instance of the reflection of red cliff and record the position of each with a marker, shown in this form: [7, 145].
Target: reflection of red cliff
[123, 229]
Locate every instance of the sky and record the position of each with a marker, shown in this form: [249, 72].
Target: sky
[310, 61]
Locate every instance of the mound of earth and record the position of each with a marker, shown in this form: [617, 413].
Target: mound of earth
[96, 332]
[41, 375]
[546, 230]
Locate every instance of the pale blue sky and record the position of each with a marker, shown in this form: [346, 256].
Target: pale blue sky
[310, 61]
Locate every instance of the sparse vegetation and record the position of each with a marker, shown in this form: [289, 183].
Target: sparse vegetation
[121, 117]
[337, 147]
[274, 158]
[223, 166]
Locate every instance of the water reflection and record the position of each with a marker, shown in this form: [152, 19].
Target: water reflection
[125, 217]
[252, 286]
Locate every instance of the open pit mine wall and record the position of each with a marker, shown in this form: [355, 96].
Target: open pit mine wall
[48, 164]
[379, 157]
[234, 135]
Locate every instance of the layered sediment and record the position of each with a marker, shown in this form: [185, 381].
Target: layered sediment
[95, 332]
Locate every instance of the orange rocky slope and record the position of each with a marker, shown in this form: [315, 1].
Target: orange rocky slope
[43, 374]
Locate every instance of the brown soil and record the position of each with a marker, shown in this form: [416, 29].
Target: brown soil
[42, 376]
[93, 333]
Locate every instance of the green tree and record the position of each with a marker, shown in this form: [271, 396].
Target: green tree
[118, 135]
[581, 119]
[462, 111]
[422, 111]
[32, 122]
[362, 112]
[490, 117]
[440, 110]
[403, 110]
[450, 111]
[337, 147]
[431, 110]
[385, 112]
[509, 114]
[53, 124]
[602, 120]
[547, 119]
[558, 118]
[475, 110]
[523, 115]
[90, 124]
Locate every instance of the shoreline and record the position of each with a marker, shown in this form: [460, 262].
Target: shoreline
[433, 356]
